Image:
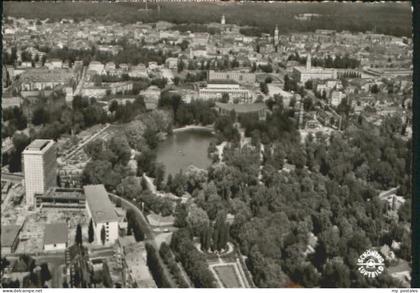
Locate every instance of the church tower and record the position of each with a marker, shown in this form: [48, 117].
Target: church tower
[276, 36]
[223, 20]
[308, 62]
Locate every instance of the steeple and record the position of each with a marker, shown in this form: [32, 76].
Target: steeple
[308, 62]
[223, 20]
[276, 36]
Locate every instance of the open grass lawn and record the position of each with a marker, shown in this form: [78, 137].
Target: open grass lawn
[227, 275]
[389, 18]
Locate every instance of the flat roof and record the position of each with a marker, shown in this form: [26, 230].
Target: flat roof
[99, 204]
[46, 75]
[9, 234]
[242, 108]
[222, 81]
[39, 145]
[55, 233]
[314, 69]
[63, 193]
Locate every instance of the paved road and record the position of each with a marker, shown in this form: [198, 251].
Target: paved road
[81, 82]
[17, 178]
[79, 147]
[13, 191]
[149, 234]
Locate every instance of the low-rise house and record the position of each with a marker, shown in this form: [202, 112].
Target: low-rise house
[387, 252]
[151, 97]
[97, 67]
[119, 87]
[198, 51]
[138, 71]
[160, 221]
[336, 98]
[150, 103]
[109, 66]
[94, 92]
[394, 201]
[54, 64]
[122, 101]
[11, 102]
[124, 67]
[171, 63]
[199, 38]
[152, 65]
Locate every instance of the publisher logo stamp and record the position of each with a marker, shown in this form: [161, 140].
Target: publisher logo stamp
[371, 263]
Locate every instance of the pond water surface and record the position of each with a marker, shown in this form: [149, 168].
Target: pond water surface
[184, 148]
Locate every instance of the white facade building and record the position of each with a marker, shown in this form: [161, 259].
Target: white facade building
[238, 76]
[303, 74]
[102, 212]
[216, 90]
[97, 67]
[336, 98]
[54, 64]
[40, 168]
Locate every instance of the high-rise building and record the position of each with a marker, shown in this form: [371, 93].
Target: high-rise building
[40, 168]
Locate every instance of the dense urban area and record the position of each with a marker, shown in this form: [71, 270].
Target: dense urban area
[213, 151]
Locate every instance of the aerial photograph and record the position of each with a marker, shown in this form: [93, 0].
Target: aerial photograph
[206, 144]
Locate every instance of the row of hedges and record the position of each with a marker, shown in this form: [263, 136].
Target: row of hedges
[167, 256]
[156, 268]
[194, 262]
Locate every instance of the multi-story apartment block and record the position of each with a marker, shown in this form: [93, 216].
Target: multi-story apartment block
[40, 168]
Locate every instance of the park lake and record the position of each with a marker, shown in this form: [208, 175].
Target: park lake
[184, 148]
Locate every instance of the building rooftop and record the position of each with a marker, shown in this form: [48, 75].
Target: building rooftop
[39, 145]
[46, 75]
[55, 233]
[314, 69]
[99, 204]
[222, 81]
[64, 193]
[9, 234]
[242, 108]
